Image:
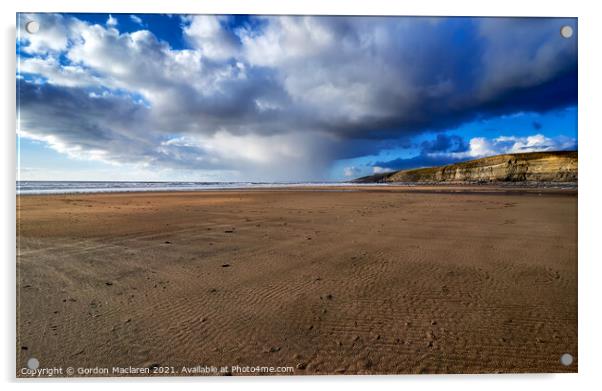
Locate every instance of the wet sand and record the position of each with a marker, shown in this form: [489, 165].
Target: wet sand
[361, 281]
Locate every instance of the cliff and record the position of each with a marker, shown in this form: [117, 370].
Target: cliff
[558, 166]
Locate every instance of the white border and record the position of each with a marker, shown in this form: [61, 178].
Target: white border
[590, 146]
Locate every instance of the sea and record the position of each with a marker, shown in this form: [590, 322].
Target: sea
[73, 187]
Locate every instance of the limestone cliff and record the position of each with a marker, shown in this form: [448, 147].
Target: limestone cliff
[558, 166]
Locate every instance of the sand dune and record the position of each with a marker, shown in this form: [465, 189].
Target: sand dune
[370, 281]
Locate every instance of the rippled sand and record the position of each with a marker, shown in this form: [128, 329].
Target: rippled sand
[364, 281]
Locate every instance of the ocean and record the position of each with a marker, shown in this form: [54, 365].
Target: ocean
[71, 187]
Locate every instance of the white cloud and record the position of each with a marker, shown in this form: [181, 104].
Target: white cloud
[68, 75]
[111, 21]
[288, 39]
[380, 170]
[351, 171]
[71, 150]
[482, 146]
[136, 19]
[207, 34]
[54, 35]
[338, 70]
[537, 142]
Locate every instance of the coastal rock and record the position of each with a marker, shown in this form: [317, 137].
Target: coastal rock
[558, 166]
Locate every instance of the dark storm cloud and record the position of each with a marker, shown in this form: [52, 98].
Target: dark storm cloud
[307, 90]
[445, 143]
[444, 149]
[419, 161]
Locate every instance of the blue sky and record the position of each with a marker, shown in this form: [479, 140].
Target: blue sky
[177, 97]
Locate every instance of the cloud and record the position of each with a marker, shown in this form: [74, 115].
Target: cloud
[136, 19]
[534, 143]
[482, 146]
[50, 69]
[324, 88]
[208, 34]
[419, 161]
[106, 127]
[381, 170]
[111, 22]
[114, 129]
[444, 149]
[445, 143]
[352, 171]
[56, 31]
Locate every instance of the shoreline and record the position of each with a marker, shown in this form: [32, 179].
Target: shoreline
[509, 187]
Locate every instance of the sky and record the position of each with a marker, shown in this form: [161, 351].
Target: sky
[148, 97]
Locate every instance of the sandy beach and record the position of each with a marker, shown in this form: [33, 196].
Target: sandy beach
[368, 280]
